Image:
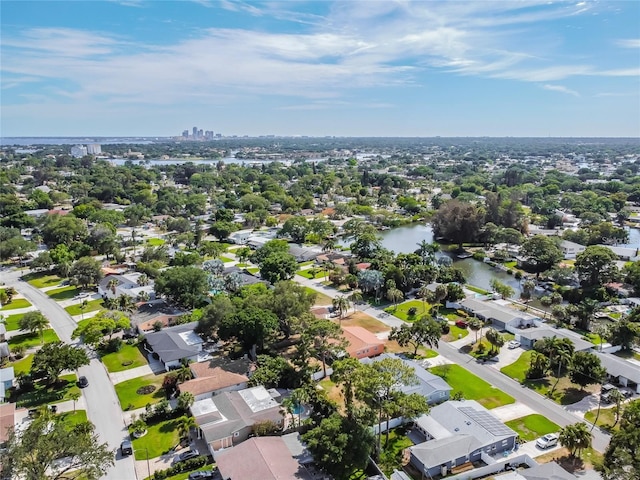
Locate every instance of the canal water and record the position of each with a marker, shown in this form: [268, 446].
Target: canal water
[406, 239]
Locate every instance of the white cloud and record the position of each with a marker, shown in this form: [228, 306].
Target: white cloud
[561, 89]
[629, 43]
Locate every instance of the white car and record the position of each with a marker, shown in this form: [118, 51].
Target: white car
[513, 344]
[547, 441]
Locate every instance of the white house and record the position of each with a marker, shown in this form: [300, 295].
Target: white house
[571, 249]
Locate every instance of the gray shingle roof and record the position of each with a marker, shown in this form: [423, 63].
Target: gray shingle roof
[170, 345]
[617, 366]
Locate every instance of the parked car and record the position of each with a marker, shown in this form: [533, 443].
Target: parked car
[201, 474]
[513, 344]
[547, 441]
[461, 324]
[83, 382]
[184, 456]
[126, 448]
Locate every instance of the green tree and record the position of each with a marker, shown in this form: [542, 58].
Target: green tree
[220, 308]
[621, 459]
[339, 446]
[86, 271]
[53, 358]
[278, 266]
[458, 221]
[624, 333]
[290, 301]
[322, 338]
[575, 437]
[341, 304]
[34, 322]
[538, 365]
[185, 425]
[475, 325]
[504, 290]
[184, 286]
[541, 253]
[251, 326]
[596, 266]
[63, 229]
[31, 453]
[295, 227]
[424, 331]
[185, 400]
[101, 325]
[221, 230]
[586, 369]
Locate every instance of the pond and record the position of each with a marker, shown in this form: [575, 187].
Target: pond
[406, 239]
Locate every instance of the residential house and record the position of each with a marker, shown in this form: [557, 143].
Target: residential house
[227, 419]
[457, 433]
[215, 376]
[266, 458]
[430, 386]
[529, 336]
[112, 286]
[244, 276]
[7, 376]
[302, 254]
[571, 249]
[7, 420]
[362, 343]
[176, 345]
[626, 254]
[153, 313]
[620, 371]
[498, 314]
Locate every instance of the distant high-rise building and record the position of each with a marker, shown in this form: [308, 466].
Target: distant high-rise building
[185, 134]
[94, 148]
[195, 132]
[78, 151]
[200, 133]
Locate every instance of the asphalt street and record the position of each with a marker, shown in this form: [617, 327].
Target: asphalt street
[538, 403]
[103, 409]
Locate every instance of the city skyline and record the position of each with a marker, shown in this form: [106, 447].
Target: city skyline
[321, 68]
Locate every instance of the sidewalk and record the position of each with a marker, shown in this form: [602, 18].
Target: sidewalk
[17, 311]
[119, 377]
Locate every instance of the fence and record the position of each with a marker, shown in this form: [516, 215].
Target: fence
[494, 468]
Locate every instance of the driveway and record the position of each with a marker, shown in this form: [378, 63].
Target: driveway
[119, 377]
[512, 411]
[103, 408]
[507, 356]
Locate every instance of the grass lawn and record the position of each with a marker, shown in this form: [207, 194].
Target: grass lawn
[482, 348]
[532, 426]
[74, 418]
[16, 303]
[64, 293]
[312, 273]
[28, 340]
[130, 399]
[226, 259]
[42, 279]
[304, 264]
[128, 357]
[23, 365]
[606, 419]
[477, 289]
[361, 319]
[565, 393]
[322, 300]
[155, 242]
[11, 322]
[253, 270]
[587, 459]
[518, 369]
[92, 306]
[43, 394]
[402, 310]
[423, 352]
[472, 387]
[456, 333]
[334, 392]
[391, 458]
[593, 338]
[160, 438]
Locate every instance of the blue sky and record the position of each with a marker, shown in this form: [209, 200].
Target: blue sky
[373, 68]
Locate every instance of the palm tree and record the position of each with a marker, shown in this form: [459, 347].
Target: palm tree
[113, 283]
[440, 294]
[139, 426]
[355, 298]
[395, 295]
[143, 296]
[329, 245]
[125, 303]
[185, 400]
[475, 325]
[34, 322]
[185, 424]
[618, 398]
[83, 307]
[143, 280]
[575, 437]
[423, 293]
[183, 374]
[495, 339]
[288, 406]
[110, 303]
[74, 395]
[563, 357]
[341, 304]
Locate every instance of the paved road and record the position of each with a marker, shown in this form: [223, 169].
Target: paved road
[540, 404]
[531, 399]
[103, 409]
